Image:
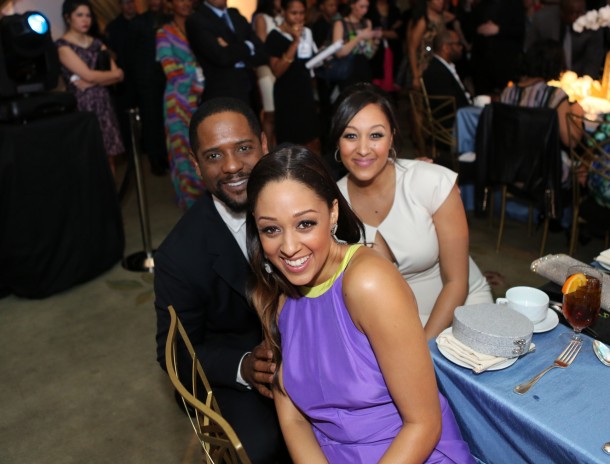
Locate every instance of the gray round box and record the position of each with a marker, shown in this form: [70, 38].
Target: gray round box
[493, 329]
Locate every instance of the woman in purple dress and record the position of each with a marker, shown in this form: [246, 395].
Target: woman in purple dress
[354, 380]
[78, 54]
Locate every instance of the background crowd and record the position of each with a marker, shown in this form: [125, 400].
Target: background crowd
[179, 53]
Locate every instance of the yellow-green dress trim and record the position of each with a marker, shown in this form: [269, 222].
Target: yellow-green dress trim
[320, 289]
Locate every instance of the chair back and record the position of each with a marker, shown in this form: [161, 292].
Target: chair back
[219, 441]
[519, 146]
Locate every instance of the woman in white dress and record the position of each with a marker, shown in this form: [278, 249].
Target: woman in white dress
[412, 210]
[266, 18]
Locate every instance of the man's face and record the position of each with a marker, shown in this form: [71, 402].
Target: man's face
[128, 8]
[220, 4]
[329, 8]
[570, 10]
[454, 48]
[155, 5]
[228, 151]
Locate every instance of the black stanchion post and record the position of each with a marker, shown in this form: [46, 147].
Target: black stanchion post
[141, 260]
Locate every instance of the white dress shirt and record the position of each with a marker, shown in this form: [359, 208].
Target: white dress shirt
[236, 222]
[451, 68]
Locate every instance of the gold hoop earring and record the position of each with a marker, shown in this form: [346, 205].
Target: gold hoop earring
[393, 154]
[337, 156]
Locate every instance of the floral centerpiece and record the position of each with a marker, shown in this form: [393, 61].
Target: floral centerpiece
[593, 20]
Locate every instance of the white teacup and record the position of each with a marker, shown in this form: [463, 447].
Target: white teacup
[529, 301]
[481, 100]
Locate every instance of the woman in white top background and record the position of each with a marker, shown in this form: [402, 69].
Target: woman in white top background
[412, 210]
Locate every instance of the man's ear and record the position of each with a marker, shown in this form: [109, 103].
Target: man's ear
[194, 162]
[264, 144]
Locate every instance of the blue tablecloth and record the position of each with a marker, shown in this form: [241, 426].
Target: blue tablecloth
[564, 418]
[466, 122]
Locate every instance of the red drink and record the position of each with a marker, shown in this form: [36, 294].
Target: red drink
[581, 306]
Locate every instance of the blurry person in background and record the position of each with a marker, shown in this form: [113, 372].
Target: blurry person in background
[149, 81]
[267, 18]
[116, 37]
[360, 40]
[184, 84]
[228, 50]
[583, 51]
[497, 45]
[78, 53]
[289, 48]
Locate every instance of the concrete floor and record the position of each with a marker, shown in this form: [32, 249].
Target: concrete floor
[79, 379]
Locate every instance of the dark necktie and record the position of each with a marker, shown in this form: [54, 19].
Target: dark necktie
[225, 16]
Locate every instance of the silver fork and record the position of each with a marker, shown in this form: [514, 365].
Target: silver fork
[563, 360]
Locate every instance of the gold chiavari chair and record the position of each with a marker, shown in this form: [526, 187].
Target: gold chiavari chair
[219, 442]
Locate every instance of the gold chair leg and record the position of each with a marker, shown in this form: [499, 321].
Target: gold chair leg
[502, 218]
[545, 233]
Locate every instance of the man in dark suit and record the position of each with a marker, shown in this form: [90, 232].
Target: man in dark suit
[227, 50]
[149, 83]
[116, 37]
[441, 78]
[201, 269]
[583, 51]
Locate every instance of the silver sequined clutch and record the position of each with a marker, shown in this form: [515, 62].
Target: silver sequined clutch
[493, 329]
[555, 267]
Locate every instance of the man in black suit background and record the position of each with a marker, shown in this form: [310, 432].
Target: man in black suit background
[201, 269]
[149, 83]
[227, 50]
[583, 51]
[441, 78]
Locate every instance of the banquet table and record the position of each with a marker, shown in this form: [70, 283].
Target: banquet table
[564, 418]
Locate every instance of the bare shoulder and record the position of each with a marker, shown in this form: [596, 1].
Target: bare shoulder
[371, 279]
[368, 271]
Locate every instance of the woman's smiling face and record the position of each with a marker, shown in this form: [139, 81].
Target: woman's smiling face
[294, 226]
[365, 143]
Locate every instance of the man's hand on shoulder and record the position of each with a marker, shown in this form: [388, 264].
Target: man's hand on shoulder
[257, 369]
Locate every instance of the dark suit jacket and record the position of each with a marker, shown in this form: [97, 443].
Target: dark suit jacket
[439, 81]
[587, 47]
[201, 271]
[222, 78]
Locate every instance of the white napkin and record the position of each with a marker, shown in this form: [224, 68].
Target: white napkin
[604, 257]
[479, 362]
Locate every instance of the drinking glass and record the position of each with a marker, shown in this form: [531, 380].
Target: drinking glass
[581, 306]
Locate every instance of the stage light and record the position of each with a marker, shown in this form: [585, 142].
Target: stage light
[29, 69]
[38, 23]
[28, 57]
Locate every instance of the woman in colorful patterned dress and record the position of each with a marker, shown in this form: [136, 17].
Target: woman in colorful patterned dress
[184, 84]
[78, 53]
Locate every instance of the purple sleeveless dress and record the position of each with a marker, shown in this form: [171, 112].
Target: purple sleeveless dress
[330, 372]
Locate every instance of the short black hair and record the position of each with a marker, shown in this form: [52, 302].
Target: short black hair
[221, 105]
[543, 59]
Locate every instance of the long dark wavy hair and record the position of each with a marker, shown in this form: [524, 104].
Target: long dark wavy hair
[353, 99]
[297, 163]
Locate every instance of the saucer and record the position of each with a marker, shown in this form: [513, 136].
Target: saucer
[548, 323]
[604, 265]
[454, 360]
